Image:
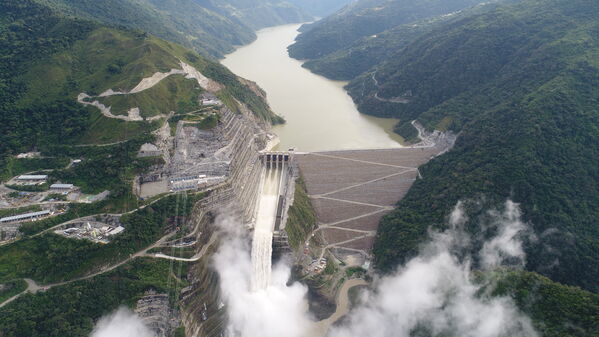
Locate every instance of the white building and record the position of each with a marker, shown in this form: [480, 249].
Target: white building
[26, 177]
[62, 187]
[149, 150]
[25, 217]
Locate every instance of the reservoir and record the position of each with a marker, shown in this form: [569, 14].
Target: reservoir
[320, 114]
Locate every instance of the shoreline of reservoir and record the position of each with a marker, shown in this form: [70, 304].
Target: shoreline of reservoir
[320, 115]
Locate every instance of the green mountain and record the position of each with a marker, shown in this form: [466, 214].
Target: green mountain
[320, 8]
[368, 52]
[212, 28]
[48, 59]
[520, 86]
[555, 310]
[258, 14]
[366, 18]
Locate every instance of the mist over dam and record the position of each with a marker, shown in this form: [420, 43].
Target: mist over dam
[354, 170]
[214, 168]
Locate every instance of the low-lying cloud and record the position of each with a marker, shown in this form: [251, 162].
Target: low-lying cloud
[432, 294]
[121, 323]
[279, 310]
[435, 295]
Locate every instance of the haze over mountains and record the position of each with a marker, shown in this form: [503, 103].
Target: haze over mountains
[320, 8]
[211, 27]
[365, 18]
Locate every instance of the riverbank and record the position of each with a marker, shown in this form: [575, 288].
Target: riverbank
[320, 114]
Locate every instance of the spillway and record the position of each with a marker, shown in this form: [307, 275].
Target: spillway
[264, 227]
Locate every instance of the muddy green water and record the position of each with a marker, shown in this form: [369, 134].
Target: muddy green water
[320, 115]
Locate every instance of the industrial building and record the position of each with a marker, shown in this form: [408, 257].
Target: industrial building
[208, 99]
[26, 216]
[91, 230]
[33, 178]
[62, 187]
[188, 182]
[149, 150]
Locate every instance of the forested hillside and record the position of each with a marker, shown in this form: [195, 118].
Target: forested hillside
[212, 28]
[258, 14]
[368, 52]
[556, 310]
[50, 55]
[366, 18]
[521, 85]
[49, 59]
[320, 8]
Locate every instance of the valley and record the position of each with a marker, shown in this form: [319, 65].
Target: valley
[318, 112]
[446, 186]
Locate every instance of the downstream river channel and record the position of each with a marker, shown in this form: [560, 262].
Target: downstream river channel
[320, 114]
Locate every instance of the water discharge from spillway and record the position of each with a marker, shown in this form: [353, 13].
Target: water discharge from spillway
[263, 229]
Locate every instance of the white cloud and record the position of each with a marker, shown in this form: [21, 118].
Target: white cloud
[121, 323]
[507, 245]
[433, 291]
[279, 310]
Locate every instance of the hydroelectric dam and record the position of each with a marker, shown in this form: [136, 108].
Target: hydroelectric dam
[277, 183]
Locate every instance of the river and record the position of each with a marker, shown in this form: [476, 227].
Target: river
[320, 114]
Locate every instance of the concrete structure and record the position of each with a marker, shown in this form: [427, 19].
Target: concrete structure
[269, 157]
[149, 150]
[188, 183]
[208, 99]
[352, 190]
[284, 161]
[25, 217]
[62, 187]
[95, 231]
[32, 178]
[28, 155]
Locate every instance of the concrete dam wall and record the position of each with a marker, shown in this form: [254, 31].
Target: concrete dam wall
[241, 137]
[240, 197]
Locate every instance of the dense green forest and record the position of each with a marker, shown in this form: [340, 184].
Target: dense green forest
[48, 59]
[212, 28]
[556, 310]
[11, 288]
[73, 310]
[365, 54]
[301, 220]
[258, 14]
[521, 85]
[366, 18]
[51, 258]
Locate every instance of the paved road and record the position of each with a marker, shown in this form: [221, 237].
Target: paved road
[194, 258]
[34, 287]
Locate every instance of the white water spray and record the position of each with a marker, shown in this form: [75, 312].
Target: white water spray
[263, 230]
